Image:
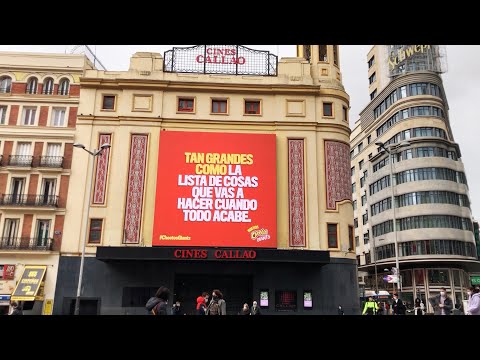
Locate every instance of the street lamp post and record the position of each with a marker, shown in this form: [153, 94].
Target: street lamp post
[392, 150]
[370, 228]
[94, 153]
[375, 254]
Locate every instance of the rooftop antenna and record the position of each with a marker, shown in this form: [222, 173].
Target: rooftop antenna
[92, 56]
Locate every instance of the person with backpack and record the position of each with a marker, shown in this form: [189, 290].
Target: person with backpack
[157, 305]
[217, 305]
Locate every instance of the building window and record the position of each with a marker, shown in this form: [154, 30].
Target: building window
[371, 61]
[353, 187]
[335, 54]
[108, 102]
[366, 237]
[364, 199]
[355, 205]
[307, 52]
[365, 218]
[360, 165]
[373, 94]
[252, 107]
[438, 277]
[369, 139]
[345, 113]
[355, 223]
[372, 78]
[219, 106]
[95, 235]
[32, 85]
[10, 231]
[350, 238]
[64, 87]
[186, 105]
[360, 147]
[332, 236]
[58, 117]
[328, 109]
[29, 115]
[357, 241]
[367, 258]
[353, 170]
[5, 84]
[43, 232]
[322, 52]
[47, 86]
[3, 114]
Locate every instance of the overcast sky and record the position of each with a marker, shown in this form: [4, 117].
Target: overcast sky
[461, 81]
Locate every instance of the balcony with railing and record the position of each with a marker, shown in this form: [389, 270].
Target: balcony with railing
[51, 161]
[20, 160]
[29, 200]
[25, 243]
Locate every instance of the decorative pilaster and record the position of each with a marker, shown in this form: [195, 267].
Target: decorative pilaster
[296, 192]
[337, 173]
[102, 171]
[136, 182]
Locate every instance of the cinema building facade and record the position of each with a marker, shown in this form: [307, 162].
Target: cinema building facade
[227, 169]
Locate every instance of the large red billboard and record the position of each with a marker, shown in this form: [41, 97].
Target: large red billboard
[216, 189]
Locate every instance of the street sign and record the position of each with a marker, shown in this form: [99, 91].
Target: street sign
[475, 280]
[391, 278]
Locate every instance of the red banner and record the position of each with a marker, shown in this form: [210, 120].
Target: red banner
[8, 272]
[216, 189]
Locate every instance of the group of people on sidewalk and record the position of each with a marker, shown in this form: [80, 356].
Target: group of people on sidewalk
[442, 304]
[157, 305]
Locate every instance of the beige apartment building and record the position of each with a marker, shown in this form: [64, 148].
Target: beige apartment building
[228, 169]
[39, 96]
[407, 120]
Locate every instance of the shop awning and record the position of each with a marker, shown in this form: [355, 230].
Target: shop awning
[29, 284]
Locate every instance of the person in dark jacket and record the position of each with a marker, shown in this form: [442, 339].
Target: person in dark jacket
[177, 308]
[442, 304]
[255, 309]
[398, 307]
[17, 310]
[157, 305]
[217, 305]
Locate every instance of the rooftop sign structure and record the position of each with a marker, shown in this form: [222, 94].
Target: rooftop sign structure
[404, 59]
[220, 59]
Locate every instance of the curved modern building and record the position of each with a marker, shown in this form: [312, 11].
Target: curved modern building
[407, 121]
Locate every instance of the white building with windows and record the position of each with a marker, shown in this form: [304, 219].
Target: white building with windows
[408, 114]
[39, 97]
